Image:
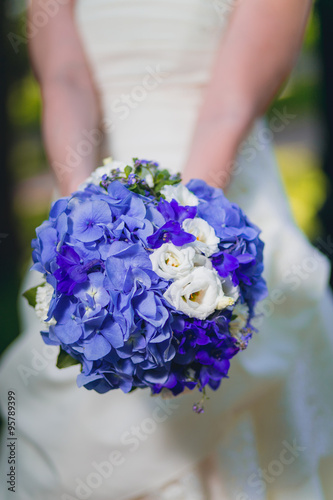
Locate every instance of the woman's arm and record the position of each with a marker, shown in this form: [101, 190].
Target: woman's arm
[70, 106]
[256, 55]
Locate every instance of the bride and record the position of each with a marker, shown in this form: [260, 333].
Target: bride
[183, 82]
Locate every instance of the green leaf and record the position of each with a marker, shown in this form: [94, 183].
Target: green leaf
[159, 177]
[65, 360]
[163, 183]
[30, 295]
[165, 173]
[127, 170]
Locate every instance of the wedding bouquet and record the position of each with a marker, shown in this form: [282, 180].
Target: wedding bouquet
[147, 283]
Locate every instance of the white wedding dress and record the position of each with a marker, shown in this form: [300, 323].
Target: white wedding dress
[267, 433]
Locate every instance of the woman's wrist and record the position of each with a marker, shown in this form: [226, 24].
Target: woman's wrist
[214, 149]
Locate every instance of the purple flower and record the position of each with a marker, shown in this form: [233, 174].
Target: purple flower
[174, 211]
[170, 232]
[225, 263]
[89, 219]
[72, 269]
[215, 361]
[92, 293]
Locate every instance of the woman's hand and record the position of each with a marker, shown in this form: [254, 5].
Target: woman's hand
[256, 55]
[70, 105]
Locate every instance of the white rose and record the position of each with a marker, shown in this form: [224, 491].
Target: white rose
[181, 194]
[199, 294]
[43, 298]
[206, 239]
[171, 262]
[241, 311]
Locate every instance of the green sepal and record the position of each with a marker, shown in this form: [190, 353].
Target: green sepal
[65, 360]
[30, 295]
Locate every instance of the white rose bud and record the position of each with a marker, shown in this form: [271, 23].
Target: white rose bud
[199, 294]
[171, 262]
[206, 240]
[181, 194]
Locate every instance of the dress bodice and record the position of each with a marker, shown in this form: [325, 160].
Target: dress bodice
[151, 61]
[124, 37]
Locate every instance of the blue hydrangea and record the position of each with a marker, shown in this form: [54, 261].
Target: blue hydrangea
[108, 304]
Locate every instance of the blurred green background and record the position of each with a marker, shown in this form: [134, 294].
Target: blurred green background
[303, 149]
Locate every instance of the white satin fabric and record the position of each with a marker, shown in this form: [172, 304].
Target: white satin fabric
[269, 427]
